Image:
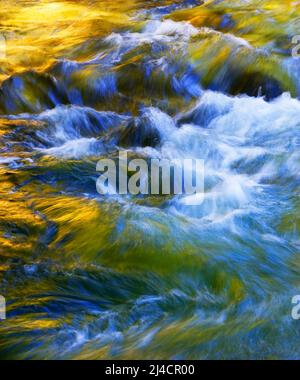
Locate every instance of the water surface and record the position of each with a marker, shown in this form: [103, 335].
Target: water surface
[93, 277]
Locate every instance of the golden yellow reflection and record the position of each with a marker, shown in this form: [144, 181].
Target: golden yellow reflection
[259, 22]
[37, 32]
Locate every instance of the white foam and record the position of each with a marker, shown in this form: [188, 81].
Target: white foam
[166, 31]
[75, 149]
[170, 28]
[259, 138]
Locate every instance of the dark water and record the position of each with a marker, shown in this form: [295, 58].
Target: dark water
[87, 276]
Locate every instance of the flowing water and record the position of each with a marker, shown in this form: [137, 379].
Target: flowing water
[90, 277]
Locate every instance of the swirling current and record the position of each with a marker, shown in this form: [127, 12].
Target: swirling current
[87, 276]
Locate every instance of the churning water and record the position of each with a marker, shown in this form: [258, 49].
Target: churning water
[87, 276]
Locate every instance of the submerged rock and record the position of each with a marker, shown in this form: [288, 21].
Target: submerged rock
[139, 133]
[30, 92]
[229, 64]
[147, 130]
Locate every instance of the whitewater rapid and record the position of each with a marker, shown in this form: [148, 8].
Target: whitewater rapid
[126, 276]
